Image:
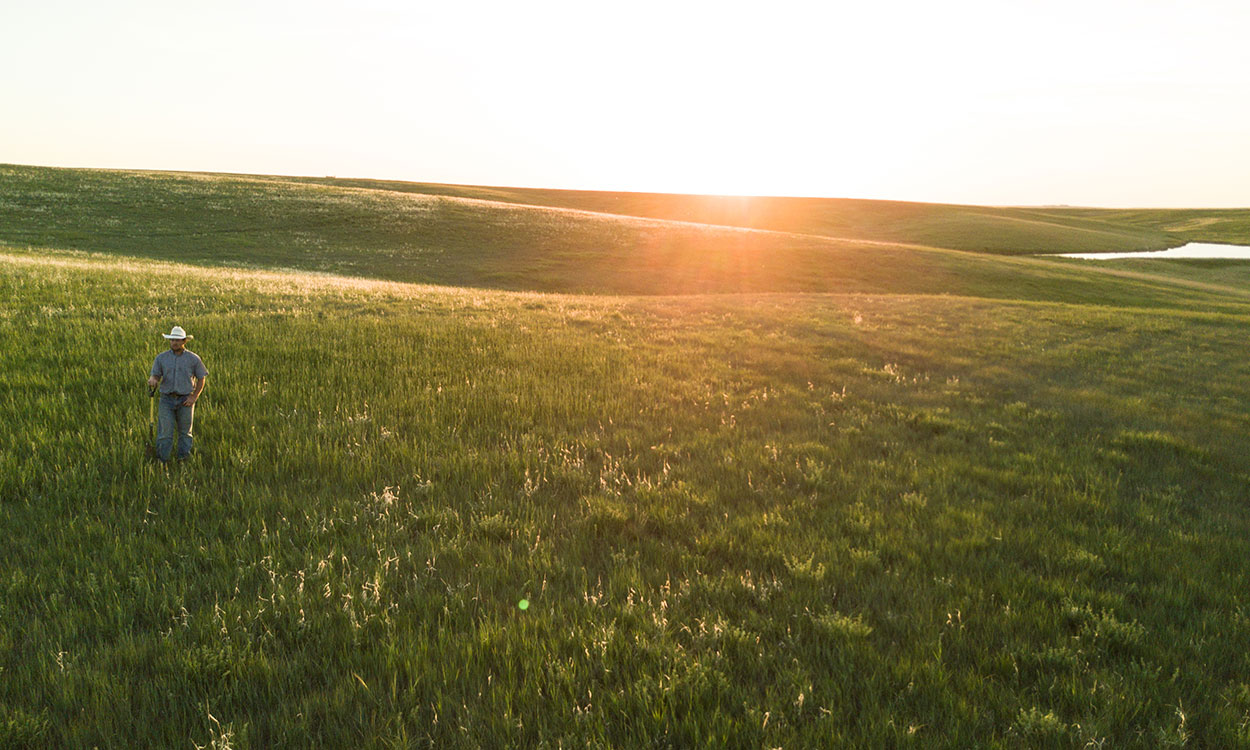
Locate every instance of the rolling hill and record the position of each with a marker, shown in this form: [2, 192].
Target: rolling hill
[473, 471]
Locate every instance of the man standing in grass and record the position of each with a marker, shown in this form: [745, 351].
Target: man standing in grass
[180, 374]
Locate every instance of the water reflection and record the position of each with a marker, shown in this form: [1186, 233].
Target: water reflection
[1192, 250]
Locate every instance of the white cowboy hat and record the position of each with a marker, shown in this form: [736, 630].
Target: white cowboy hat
[177, 333]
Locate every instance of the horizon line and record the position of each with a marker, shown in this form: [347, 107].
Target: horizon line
[744, 196]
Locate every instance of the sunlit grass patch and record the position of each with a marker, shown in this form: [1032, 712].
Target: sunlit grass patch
[736, 520]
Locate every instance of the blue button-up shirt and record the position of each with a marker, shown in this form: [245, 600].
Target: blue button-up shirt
[176, 371]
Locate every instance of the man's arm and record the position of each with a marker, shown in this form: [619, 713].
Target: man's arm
[154, 378]
[199, 388]
[199, 374]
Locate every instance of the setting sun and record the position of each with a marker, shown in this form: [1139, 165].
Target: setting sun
[1105, 103]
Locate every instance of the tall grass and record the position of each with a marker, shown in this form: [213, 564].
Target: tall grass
[743, 521]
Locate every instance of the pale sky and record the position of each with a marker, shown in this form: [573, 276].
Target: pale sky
[1082, 102]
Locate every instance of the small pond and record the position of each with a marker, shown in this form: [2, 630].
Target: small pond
[1192, 250]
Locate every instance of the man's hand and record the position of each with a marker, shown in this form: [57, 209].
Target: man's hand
[153, 381]
[199, 388]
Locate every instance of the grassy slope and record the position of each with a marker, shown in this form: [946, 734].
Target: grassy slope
[1011, 231]
[1230, 226]
[1015, 516]
[434, 228]
[741, 520]
[1232, 275]
[458, 241]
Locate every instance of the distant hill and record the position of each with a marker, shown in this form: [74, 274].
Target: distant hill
[1225, 225]
[583, 242]
[1007, 231]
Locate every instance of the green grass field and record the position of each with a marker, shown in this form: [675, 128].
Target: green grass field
[437, 232]
[759, 489]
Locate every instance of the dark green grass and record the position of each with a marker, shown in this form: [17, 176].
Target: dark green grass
[741, 521]
[258, 222]
[869, 518]
[514, 239]
[1226, 225]
[1228, 274]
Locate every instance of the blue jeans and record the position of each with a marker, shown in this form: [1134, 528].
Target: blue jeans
[171, 415]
